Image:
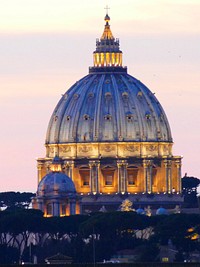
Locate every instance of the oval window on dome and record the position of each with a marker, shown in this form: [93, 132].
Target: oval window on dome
[76, 96]
[108, 117]
[86, 117]
[90, 95]
[129, 117]
[68, 118]
[108, 95]
[125, 95]
[148, 116]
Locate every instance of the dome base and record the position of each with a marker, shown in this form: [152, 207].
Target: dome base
[107, 70]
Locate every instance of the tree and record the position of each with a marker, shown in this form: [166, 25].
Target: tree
[189, 190]
[15, 199]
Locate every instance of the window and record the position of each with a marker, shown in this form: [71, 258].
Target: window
[49, 209]
[129, 117]
[132, 173]
[107, 117]
[108, 95]
[86, 117]
[131, 180]
[109, 180]
[86, 180]
[125, 96]
[63, 209]
[148, 116]
[85, 176]
[108, 174]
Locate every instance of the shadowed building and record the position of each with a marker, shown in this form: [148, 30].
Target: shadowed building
[112, 137]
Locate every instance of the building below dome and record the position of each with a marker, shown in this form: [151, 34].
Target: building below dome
[113, 137]
[56, 194]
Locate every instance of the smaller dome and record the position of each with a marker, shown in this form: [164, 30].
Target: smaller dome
[107, 18]
[140, 211]
[161, 211]
[56, 182]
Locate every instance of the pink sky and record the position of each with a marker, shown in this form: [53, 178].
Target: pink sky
[46, 46]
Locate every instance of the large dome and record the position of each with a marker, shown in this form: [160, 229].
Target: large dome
[111, 106]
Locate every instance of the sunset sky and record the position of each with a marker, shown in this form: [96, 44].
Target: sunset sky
[46, 46]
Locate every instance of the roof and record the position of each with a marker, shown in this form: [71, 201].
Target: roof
[108, 105]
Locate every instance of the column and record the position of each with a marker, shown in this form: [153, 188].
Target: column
[56, 208]
[178, 166]
[122, 176]
[48, 167]
[94, 176]
[168, 175]
[145, 175]
[39, 171]
[119, 165]
[147, 165]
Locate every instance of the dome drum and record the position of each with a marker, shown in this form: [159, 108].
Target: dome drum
[110, 149]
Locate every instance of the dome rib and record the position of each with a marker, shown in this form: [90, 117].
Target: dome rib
[97, 128]
[133, 97]
[118, 106]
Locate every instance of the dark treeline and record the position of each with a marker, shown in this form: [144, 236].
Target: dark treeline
[26, 234]
[15, 199]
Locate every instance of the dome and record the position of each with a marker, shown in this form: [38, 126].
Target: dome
[108, 104]
[140, 211]
[161, 211]
[108, 107]
[56, 182]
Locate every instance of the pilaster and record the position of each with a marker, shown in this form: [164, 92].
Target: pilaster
[178, 167]
[147, 165]
[168, 175]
